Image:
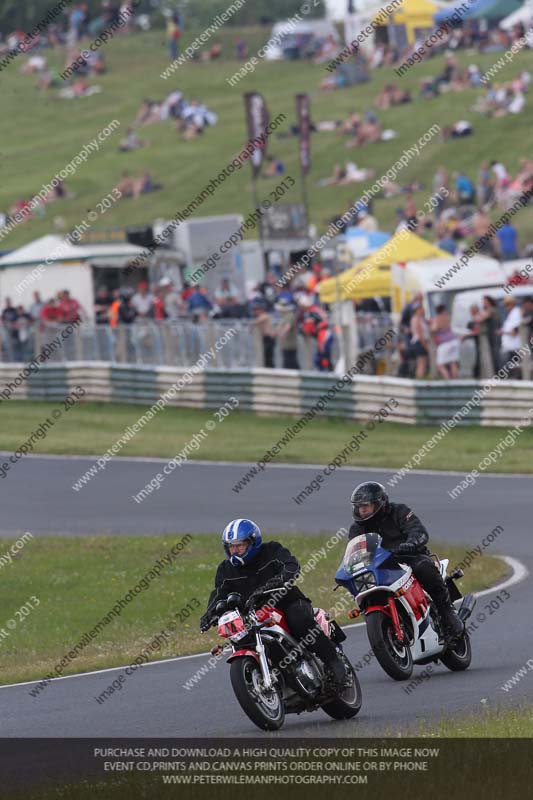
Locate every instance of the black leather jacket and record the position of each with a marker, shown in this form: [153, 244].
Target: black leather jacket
[272, 560]
[395, 525]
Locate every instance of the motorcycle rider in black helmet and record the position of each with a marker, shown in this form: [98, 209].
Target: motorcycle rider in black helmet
[404, 535]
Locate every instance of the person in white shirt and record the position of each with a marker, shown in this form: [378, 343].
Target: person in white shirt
[174, 307]
[143, 300]
[500, 171]
[517, 103]
[511, 339]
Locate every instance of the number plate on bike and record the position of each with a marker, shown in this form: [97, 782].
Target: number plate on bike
[231, 625]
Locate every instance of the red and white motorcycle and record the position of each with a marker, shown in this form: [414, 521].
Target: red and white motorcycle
[272, 674]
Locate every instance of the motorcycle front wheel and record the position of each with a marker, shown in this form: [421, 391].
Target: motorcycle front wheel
[264, 708]
[396, 659]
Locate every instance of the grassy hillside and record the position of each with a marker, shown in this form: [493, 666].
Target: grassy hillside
[40, 134]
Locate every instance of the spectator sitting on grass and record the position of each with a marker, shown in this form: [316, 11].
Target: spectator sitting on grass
[58, 192]
[49, 79]
[145, 185]
[351, 173]
[368, 132]
[96, 63]
[79, 88]
[134, 187]
[274, 167]
[35, 63]
[336, 81]
[149, 112]
[132, 142]
[392, 95]
[458, 130]
[194, 118]
[126, 185]
[213, 53]
[171, 107]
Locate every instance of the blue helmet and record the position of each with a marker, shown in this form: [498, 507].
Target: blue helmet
[238, 530]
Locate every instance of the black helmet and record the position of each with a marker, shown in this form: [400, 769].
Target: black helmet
[369, 492]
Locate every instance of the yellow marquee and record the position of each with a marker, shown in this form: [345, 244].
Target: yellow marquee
[371, 277]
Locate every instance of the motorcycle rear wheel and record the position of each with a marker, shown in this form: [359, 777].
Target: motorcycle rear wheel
[265, 709]
[395, 659]
[459, 657]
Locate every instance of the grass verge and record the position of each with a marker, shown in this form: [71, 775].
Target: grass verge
[92, 428]
[485, 724]
[79, 580]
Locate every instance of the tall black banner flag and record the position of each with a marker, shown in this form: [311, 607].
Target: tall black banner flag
[303, 107]
[257, 117]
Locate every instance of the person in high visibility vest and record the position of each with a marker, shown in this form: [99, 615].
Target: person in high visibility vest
[113, 309]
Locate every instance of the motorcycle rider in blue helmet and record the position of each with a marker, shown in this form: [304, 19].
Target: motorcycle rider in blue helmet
[250, 566]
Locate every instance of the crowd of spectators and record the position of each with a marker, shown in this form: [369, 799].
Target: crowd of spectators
[500, 323]
[18, 322]
[278, 314]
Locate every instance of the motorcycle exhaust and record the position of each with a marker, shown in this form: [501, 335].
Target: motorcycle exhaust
[467, 606]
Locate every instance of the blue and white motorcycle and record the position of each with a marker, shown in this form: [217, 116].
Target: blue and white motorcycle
[402, 622]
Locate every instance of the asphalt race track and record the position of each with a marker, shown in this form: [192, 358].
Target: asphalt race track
[198, 498]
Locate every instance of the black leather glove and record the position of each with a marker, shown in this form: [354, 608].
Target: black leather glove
[205, 622]
[406, 549]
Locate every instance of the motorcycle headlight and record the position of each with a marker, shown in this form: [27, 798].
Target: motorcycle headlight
[364, 581]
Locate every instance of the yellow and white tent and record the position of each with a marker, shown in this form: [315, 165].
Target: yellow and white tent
[371, 277]
[415, 15]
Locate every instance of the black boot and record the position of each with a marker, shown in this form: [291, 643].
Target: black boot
[451, 621]
[340, 673]
[326, 650]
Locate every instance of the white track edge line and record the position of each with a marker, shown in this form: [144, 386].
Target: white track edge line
[197, 462]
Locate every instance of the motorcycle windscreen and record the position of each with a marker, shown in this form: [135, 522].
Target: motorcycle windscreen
[359, 552]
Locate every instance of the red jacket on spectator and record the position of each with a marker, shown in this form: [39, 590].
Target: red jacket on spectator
[50, 312]
[68, 309]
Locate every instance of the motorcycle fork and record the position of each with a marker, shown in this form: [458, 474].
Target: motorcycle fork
[263, 661]
[395, 619]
